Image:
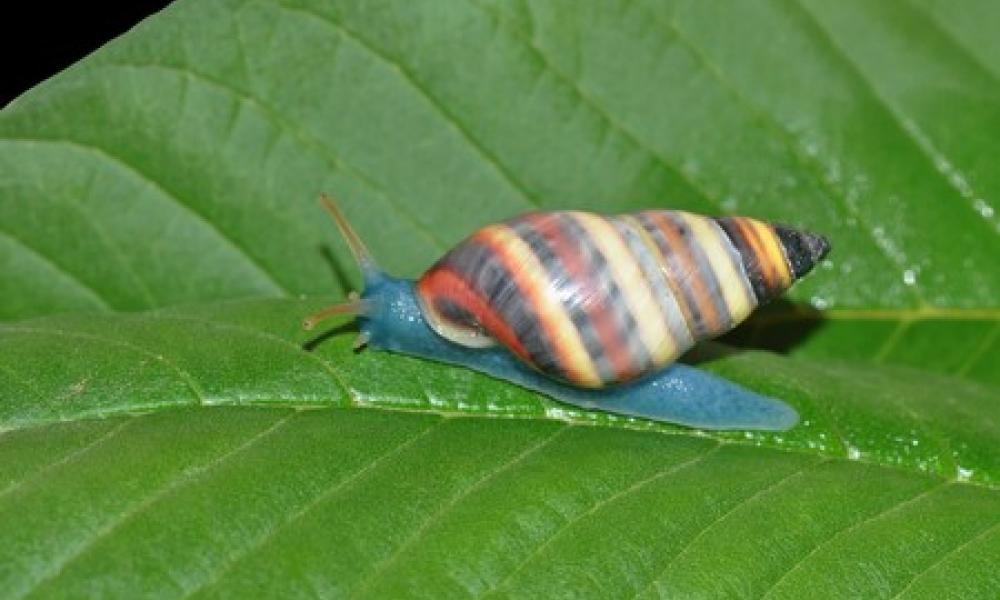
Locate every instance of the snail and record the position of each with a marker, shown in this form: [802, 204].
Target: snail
[591, 310]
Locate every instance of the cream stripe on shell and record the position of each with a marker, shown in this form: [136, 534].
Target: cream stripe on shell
[548, 307]
[637, 295]
[724, 261]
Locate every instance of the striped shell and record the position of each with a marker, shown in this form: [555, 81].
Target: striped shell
[598, 300]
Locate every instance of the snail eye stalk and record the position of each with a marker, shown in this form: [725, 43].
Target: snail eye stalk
[358, 248]
[354, 306]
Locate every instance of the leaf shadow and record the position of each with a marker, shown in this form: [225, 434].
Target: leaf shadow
[337, 269]
[781, 327]
[344, 281]
[328, 334]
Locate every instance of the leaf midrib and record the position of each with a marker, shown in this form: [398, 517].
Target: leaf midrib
[637, 425]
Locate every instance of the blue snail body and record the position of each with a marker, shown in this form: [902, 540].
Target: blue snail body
[678, 393]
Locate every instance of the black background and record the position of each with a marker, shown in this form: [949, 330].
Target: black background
[43, 38]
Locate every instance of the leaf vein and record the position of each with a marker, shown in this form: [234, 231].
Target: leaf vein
[110, 157]
[742, 503]
[980, 351]
[184, 376]
[449, 117]
[263, 335]
[909, 127]
[891, 341]
[304, 138]
[586, 99]
[596, 507]
[961, 49]
[323, 496]
[780, 134]
[941, 559]
[23, 382]
[116, 252]
[66, 458]
[418, 534]
[91, 292]
[851, 528]
[58, 567]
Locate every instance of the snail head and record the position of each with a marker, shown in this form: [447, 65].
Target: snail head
[356, 304]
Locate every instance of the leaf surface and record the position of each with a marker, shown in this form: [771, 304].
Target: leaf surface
[163, 429]
[442, 494]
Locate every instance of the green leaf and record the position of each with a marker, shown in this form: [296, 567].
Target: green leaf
[254, 352]
[439, 494]
[165, 433]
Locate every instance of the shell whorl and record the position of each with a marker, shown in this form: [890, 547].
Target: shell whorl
[599, 300]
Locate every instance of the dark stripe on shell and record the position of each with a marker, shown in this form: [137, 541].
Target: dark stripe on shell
[737, 234]
[457, 315]
[570, 299]
[683, 267]
[703, 270]
[674, 266]
[655, 277]
[480, 268]
[624, 321]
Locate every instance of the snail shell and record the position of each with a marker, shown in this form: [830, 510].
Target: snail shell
[595, 300]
